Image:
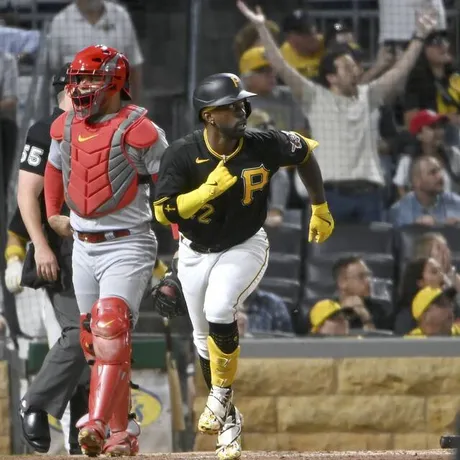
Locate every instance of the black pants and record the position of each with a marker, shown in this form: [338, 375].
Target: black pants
[64, 375]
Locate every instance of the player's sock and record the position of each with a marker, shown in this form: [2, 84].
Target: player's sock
[224, 349]
[206, 371]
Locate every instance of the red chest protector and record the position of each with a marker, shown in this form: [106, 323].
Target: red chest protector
[99, 177]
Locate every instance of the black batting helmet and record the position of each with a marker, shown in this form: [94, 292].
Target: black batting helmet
[220, 89]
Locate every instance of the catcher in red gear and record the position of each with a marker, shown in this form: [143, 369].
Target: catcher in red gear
[102, 158]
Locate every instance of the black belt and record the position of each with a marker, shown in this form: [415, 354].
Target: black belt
[205, 249]
[351, 187]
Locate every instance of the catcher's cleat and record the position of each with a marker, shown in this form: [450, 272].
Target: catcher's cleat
[229, 439]
[91, 438]
[124, 443]
[217, 408]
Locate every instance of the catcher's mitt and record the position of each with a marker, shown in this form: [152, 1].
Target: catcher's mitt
[168, 299]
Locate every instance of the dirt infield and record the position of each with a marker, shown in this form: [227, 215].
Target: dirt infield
[390, 455]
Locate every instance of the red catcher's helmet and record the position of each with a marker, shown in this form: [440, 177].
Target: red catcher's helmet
[99, 61]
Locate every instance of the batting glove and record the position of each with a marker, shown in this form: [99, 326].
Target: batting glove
[13, 275]
[219, 181]
[321, 223]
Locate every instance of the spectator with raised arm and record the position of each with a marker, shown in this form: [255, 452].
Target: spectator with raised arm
[340, 114]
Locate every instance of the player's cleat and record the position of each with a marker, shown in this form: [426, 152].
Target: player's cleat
[91, 438]
[124, 443]
[229, 439]
[217, 408]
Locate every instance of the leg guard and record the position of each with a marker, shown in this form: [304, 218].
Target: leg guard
[224, 351]
[86, 338]
[111, 373]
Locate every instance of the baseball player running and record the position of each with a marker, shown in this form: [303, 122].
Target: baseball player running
[52, 388]
[214, 184]
[103, 156]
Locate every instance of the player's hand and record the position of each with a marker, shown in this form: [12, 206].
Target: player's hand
[13, 275]
[219, 181]
[321, 223]
[61, 225]
[257, 17]
[46, 263]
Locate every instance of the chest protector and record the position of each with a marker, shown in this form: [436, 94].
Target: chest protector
[99, 177]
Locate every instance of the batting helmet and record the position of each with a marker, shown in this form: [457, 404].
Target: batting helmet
[112, 68]
[218, 90]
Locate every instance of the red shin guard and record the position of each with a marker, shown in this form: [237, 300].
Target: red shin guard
[110, 375]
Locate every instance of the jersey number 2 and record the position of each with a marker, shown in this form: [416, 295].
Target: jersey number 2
[203, 214]
[254, 180]
[32, 155]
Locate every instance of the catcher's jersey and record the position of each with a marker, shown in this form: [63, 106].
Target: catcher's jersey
[33, 159]
[241, 211]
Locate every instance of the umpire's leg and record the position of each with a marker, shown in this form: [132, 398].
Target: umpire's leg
[54, 385]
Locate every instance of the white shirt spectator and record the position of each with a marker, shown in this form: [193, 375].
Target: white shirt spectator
[344, 128]
[70, 32]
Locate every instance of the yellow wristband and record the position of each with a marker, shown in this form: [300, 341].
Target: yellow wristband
[15, 251]
[323, 207]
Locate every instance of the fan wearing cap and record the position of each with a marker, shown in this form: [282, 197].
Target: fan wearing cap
[259, 77]
[59, 376]
[433, 310]
[428, 129]
[303, 46]
[327, 317]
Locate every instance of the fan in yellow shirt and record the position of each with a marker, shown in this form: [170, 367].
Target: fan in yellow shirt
[433, 310]
[304, 46]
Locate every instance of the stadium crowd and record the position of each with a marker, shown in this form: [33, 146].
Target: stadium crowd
[389, 153]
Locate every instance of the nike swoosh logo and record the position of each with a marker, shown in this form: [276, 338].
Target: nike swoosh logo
[84, 139]
[201, 160]
[324, 220]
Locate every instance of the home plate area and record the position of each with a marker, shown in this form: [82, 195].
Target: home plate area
[380, 455]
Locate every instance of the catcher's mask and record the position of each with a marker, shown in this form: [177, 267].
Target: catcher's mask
[218, 90]
[97, 73]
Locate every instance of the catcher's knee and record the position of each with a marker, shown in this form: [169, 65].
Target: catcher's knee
[111, 330]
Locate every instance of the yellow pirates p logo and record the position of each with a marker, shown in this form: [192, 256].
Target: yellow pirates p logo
[235, 80]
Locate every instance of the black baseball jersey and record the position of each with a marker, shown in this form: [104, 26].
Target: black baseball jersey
[241, 211]
[33, 159]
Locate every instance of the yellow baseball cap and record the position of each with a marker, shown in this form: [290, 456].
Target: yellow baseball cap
[323, 310]
[425, 298]
[253, 59]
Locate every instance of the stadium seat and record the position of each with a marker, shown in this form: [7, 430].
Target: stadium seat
[285, 239]
[375, 238]
[283, 266]
[288, 290]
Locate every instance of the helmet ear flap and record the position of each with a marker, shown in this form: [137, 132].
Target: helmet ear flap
[247, 108]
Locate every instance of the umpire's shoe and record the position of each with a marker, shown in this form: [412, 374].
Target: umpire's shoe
[35, 428]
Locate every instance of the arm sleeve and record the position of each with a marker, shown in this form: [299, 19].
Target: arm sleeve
[54, 190]
[17, 225]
